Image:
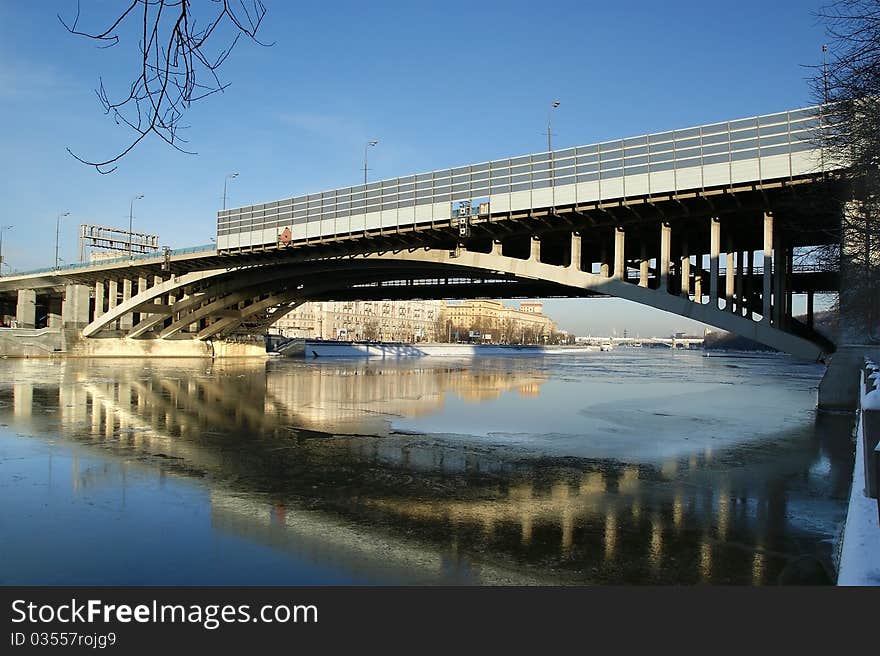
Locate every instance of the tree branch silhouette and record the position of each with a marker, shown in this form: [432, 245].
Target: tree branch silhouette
[179, 63]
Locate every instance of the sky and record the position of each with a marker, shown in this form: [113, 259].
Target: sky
[437, 84]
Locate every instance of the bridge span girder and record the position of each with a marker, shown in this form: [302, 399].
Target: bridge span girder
[222, 302]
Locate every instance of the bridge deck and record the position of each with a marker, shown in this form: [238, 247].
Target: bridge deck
[752, 150]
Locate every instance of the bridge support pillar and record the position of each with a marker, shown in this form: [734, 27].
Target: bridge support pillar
[619, 254]
[714, 254]
[698, 278]
[125, 322]
[729, 273]
[75, 308]
[26, 308]
[643, 266]
[779, 293]
[575, 261]
[685, 269]
[810, 309]
[535, 250]
[740, 272]
[767, 307]
[112, 298]
[665, 255]
[99, 299]
[496, 247]
[749, 282]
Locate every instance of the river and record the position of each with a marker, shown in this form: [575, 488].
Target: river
[624, 467]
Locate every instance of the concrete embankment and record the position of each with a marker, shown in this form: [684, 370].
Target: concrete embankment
[54, 342]
[30, 342]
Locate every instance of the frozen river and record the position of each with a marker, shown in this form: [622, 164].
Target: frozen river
[630, 466]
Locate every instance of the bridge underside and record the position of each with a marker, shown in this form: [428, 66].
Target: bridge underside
[726, 257]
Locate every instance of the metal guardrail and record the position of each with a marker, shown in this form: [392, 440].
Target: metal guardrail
[869, 410]
[140, 257]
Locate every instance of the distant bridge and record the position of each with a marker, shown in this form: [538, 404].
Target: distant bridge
[704, 222]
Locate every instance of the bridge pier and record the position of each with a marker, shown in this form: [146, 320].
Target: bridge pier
[685, 269]
[127, 320]
[665, 255]
[767, 308]
[575, 260]
[619, 253]
[75, 307]
[714, 254]
[643, 266]
[26, 308]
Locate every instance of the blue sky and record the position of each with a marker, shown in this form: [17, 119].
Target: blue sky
[438, 84]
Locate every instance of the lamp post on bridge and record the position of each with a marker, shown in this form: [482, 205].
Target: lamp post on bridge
[549, 125]
[825, 72]
[3, 228]
[131, 222]
[58, 234]
[231, 176]
[368, 145]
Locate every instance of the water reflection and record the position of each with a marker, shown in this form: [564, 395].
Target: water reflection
[311, 461]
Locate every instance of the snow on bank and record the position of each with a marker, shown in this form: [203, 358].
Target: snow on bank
[860, 553]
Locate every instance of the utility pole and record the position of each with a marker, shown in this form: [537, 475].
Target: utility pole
[229, 177]
[131, 221]
[368, 145]
[58, 234]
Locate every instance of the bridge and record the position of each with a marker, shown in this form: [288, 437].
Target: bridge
[713, 223]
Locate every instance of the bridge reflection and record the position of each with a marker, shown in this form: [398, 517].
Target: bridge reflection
[305, 460]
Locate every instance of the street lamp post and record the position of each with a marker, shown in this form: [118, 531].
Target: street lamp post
[58, 234]
[3, 228]
[825, 72]
[549, 125]
[131, 222]
[366, 147]
[229, 177]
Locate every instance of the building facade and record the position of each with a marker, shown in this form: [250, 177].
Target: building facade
[492, 321]
[387, 321]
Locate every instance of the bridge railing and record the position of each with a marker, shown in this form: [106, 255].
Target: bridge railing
[137, 257]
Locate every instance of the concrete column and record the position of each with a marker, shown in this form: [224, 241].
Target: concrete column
[778, 279]
[99, 299]
[619, 253]
[714, 254]
[112, 294]
[643, 266]
[535, 250]
[603, 261]
[810, 309]
[698, 278]
[125, 321]
[740, 272]
[750, 283]
[26, 308]
[53, 311]
[496, 247]
[142, 285]
[729, 275]
[665, 254]
[768, 268]
[685, 269]
[75, 308]
[575, 262]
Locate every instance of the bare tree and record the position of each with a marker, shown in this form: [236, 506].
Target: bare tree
[180, 51]
[849, 85]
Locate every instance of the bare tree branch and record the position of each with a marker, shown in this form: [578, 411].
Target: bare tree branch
[177, 67]
[850, 134]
